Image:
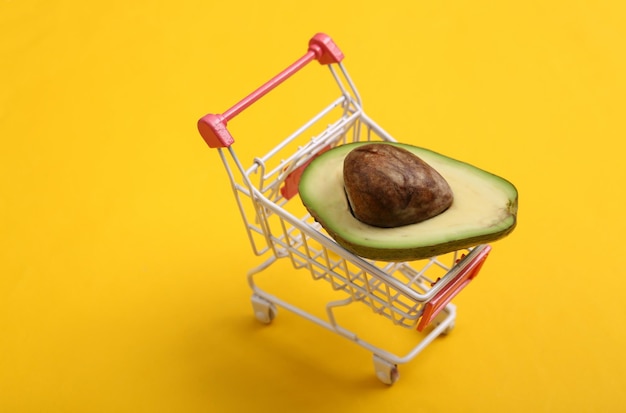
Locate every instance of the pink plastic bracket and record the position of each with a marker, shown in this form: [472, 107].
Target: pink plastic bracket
[213, 128]
[290, 188]
[445, 295]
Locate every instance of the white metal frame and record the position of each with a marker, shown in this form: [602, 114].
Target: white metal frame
[396, 291]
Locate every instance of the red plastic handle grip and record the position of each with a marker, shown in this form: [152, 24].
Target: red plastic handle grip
[213, 128]
[469, 270]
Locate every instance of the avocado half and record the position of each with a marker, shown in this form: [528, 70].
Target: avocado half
[484, 209]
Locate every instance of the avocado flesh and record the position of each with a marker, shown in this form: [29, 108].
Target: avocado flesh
[484, 209]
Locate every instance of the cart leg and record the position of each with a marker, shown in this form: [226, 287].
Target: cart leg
[446, 317]
[264, 311]
[386, 371]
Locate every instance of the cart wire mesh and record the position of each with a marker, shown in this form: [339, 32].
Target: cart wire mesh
[397, 291]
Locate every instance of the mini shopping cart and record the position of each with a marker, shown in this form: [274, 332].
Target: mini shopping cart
[413, 295]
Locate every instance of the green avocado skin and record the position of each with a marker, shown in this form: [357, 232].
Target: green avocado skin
[420, 251]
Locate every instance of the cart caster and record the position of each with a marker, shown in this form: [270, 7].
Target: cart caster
[386, 371]
[446, 317]
[264, 311]
[448, 329]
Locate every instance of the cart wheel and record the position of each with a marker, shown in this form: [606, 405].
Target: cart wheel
[444, 317]
[448, 329]
[264, 310]
[386, 371]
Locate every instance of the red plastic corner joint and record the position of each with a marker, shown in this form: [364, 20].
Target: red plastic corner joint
[213, 130]
[325, 49]
[468, 272]
[290, 188]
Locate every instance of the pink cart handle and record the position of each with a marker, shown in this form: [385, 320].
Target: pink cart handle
[467, 273]
[213, 128]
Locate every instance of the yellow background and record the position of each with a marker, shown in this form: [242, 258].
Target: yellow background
[123, 258]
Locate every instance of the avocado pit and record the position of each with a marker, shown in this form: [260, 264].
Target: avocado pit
[387, 186]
